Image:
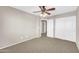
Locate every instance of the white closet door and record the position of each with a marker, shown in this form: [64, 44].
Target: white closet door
[50, 28]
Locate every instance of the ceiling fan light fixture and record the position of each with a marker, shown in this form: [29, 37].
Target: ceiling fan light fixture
[44, 14]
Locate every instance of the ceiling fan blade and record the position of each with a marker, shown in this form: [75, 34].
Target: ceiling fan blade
[51, 9]
[43, 9]
[40, 7]
[47, 13]
[36, 11]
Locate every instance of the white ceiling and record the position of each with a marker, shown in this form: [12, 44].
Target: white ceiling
[59, 9]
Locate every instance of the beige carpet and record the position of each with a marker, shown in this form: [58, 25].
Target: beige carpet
[43, 45]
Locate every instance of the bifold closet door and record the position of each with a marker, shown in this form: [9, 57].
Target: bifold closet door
[50, 28]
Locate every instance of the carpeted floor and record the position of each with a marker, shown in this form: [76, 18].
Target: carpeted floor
[43, 45]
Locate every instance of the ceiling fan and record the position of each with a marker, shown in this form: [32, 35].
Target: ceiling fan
[44, 10]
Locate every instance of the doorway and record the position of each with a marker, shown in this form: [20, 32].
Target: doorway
[43, 28]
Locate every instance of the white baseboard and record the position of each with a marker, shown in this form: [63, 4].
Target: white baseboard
[77, 44]
[62, 39]
[26, 39]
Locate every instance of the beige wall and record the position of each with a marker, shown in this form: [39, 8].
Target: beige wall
[17, 26]
[77, 27]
